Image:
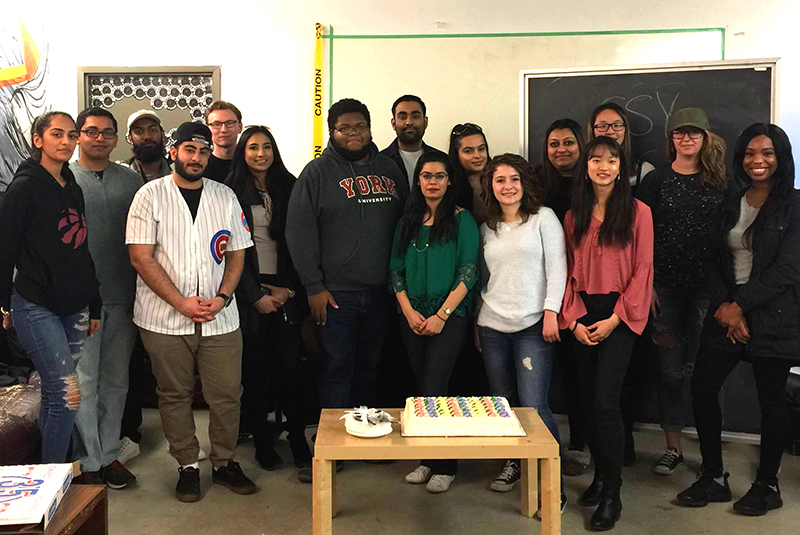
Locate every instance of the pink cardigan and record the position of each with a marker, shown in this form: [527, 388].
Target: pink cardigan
[598, 269]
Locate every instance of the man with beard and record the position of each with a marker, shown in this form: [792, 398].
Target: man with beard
[108, 190]
[409, 121]
[225, 121]
[342, 215]
[146, 136]
[186, 236]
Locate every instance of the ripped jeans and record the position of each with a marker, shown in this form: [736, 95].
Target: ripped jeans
[54, 344]
[519, 366]
[676, 335]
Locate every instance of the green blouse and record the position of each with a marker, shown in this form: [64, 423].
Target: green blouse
[430, 271]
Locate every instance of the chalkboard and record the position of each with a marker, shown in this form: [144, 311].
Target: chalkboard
[733, 95]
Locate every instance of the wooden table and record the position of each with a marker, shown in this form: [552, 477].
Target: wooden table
[83, 511]
[334, 443]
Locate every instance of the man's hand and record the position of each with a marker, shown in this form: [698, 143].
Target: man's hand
[196, 308]
[319, 306]
[94, 326]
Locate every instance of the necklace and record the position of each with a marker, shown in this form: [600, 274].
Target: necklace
[414, 245]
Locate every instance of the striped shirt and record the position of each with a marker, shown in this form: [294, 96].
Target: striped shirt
[191, 253]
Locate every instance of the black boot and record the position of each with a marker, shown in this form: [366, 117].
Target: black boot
[608, 511]
[591, 496]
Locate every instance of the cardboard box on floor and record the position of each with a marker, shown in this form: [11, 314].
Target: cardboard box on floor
[30, 494]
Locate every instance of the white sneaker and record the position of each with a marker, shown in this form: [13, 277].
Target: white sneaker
[128, 449]
[439, 483]
[419, 476]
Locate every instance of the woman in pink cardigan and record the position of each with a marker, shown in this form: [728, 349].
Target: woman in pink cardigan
[609, 238]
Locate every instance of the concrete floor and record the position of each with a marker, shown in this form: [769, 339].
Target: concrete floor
[374, 499]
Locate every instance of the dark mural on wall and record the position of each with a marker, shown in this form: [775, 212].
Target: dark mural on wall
[23, 69]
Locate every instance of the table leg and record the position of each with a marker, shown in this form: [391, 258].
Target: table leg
[529, 487]
[323, 499]
[551, 496]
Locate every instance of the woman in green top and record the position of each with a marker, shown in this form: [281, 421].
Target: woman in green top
[433, 271]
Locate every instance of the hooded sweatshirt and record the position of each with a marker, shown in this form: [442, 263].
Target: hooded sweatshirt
[43, 234]
[341, 220]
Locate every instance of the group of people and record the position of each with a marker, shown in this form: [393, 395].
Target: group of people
[565, 262]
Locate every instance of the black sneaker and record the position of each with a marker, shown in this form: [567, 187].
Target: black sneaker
[508, 477]
[268, 458]
[668, 462]
[759, 500]
[705, 490]
[188, 488]
[231, 476]
[116, 476]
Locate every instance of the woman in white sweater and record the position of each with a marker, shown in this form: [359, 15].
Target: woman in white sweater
[524, 270]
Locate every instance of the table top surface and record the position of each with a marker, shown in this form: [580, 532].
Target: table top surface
[334, 442]
[75, 501]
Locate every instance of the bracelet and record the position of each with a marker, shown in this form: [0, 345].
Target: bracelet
[576, 326]
[441, 318]
[4, 312]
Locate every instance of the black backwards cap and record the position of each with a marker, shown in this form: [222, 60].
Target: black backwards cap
[192, 131]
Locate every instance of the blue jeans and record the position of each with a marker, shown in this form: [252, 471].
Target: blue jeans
[103, 380]
[519, 366]
[676, 335]
[54, 344]
[351, 341]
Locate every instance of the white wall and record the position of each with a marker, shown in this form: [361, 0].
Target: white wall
[265, 47]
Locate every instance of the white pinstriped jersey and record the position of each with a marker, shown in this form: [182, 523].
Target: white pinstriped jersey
[190, 252]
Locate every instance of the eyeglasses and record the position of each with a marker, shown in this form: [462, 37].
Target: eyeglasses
[603, 127]
[360, 128]
[108, 133]
[438, 176]
[216, 125]
[693, 133]
[461, 129]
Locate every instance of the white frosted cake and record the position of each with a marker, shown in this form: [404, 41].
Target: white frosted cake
[487, 416]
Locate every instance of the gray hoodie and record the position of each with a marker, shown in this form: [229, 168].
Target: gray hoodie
[341, 220]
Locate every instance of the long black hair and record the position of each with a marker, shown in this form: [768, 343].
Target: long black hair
[617, 226]
[279, 179]
[459, 178]
[782, 190]
[444, 223]
[550, 176]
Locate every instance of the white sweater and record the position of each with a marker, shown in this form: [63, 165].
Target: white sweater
[524, 271]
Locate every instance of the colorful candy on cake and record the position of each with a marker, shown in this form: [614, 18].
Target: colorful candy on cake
[460, 416]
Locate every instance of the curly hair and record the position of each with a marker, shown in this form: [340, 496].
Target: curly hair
[533, 192]
[713, 173]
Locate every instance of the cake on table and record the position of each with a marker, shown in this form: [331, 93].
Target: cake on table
[489, 416]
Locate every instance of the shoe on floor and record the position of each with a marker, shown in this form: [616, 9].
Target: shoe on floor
[420, 475]
[306, 472]
[116, 476]
[188, 488]
[629, 454]
[668, 462]
[705, 490]
[301, 453]
[439, 483]
[563, 506]
[268, 458]
[508, 477]
[231, 476]
[759, 500]
[574, 462]
[128, 449]
[88, 478]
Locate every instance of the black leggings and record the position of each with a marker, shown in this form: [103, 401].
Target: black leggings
[711, 369]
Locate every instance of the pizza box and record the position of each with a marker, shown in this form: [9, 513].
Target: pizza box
[30, 494]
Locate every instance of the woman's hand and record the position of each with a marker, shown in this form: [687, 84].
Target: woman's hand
[267, 304]
[739, 332]
[581, 334]
[550, 327]
[94, 326]
[415, 320]
[600, 330]
[282, 294]
[728, 314]
[655, 305]
[432, 326]
[7, 323]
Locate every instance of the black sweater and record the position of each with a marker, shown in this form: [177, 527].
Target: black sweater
[43, 234]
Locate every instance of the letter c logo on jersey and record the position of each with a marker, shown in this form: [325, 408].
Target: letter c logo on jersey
[219, 243]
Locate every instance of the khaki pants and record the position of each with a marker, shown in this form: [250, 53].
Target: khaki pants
[219, 361]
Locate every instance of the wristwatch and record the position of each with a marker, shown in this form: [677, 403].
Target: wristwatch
[447, 311]
[292, 293]
[225, 298]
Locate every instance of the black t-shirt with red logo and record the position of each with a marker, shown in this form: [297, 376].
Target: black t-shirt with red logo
[43, 234]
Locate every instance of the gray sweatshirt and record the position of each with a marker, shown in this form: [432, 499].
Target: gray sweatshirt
[107, 203]
[524, 271]
[341, 221]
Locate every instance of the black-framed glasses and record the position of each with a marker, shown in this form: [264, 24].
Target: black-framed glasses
[461, 129]
[108, 133]
[438, 176]
[360, 128]
[616, 127]
[216, 125]
[693, 133]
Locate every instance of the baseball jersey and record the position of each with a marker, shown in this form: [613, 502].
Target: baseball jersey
[192, 253]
